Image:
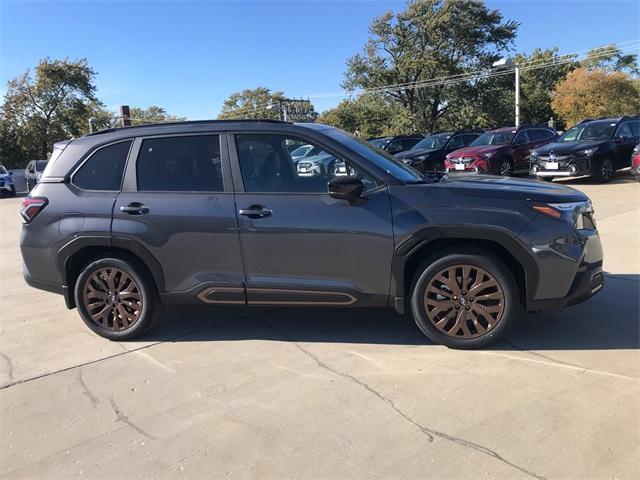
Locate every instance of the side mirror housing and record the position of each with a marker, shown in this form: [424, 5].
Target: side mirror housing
[617, 140]
[345, 188]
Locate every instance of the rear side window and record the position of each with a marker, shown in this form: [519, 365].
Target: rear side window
[103, 170]
[180, 164]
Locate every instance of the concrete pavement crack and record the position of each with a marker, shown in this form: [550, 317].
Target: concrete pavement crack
[144, 347]
[86, 392]
[9, 366]
[428, 432]
[123, 418]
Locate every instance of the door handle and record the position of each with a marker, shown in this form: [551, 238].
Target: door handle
[135, 209]
[256, 211]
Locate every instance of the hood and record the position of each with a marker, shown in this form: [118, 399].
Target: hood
[568, 148]
[416, 153]
[512, 188]
[477, 150]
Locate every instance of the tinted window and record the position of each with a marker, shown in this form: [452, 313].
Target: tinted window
[468, 139]
[183, 164]
[624, 131]
[521, 137]
[103, 170]
[455, 142]
[493, 138]
[635, 128]
[267, 166]
[40, 165]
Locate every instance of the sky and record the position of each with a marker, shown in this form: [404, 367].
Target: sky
[188, 56]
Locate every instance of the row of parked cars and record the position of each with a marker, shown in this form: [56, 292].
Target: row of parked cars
[32, 174]
[595, 147]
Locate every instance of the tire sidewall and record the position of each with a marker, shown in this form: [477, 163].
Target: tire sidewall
[487, 262]
[599, 166]
[501, 163]
[147, 292]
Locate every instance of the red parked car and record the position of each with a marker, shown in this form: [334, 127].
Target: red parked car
[635, 162]
[503, 151]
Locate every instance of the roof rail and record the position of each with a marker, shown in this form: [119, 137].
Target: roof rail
[189, 122]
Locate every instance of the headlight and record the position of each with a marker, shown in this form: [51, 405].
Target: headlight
[534, 155]
[578, 214]
[588, 152]
[488, 154]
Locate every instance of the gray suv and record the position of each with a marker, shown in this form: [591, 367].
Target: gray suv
[216, 212]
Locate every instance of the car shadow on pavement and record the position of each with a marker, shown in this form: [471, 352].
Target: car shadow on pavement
[608, 321]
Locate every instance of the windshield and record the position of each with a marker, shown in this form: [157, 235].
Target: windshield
[40, 164]
[433, 141]
[380, 142]
[378, 157]
[3, 171]
[493, 138]
[589, 131]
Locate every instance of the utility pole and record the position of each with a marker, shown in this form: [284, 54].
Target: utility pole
[125, 116]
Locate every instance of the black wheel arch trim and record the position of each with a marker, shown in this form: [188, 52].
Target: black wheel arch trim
[424, 236]
[82, 242]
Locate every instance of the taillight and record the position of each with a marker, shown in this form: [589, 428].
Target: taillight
[32, 206]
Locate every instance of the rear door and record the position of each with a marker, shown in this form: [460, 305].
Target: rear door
[624, 142]
[177, 203]
[299, 245]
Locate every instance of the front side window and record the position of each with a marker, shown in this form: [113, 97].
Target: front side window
[455, 142]
[521, 138]
[624, 131]
[268, 167]
[188, 163]
[103, 170]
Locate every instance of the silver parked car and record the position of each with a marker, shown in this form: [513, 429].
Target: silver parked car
[33, 172]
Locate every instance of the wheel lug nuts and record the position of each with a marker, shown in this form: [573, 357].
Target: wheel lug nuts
[464, 292]
[457, 307]
[467, 308]
[471, 299]
[455, 297]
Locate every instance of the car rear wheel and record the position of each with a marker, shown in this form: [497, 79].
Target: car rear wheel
[506, 168]
[116, 298]
[464, 300]
[13, 191]
[604, 169]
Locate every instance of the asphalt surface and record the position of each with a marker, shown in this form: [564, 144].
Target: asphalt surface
[300, 393]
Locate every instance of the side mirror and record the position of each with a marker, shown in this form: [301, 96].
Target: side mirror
[345, 188]
[618, 140]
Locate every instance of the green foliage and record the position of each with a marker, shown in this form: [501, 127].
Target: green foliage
[610, 58]
[152, 114]
[369, 116]
[430, 39]
[53, 105]
[261, 102]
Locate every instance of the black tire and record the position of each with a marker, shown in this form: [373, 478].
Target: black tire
[505, 168]
[603, 169]
[13, 191]
[474, 258]
[546, 179]
[147, 291]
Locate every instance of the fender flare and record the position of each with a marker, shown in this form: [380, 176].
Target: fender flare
[426, 235]
[79, 243]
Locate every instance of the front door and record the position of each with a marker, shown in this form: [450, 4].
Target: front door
[624, 142]
[299, 245]
[177, 203]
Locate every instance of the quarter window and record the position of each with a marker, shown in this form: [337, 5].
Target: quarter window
[455, 142]
[180, 164]
[521, 138]
[268, 167]
[103, 170]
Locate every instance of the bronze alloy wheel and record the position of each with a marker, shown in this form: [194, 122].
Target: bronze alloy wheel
[464, 301]
[112, 299]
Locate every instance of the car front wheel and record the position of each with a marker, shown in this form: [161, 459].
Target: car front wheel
[506, 168]
[604, 169]
[116, 298]
[464, 300]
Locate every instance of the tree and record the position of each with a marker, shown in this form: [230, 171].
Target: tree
[595, 93]
[430, 40]
[261, 102]
[611, 58]
[54, 105]
[369, 116]
[152, 114]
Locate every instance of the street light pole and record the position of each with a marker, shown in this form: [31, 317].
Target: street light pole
[517, 95]
[504, 63]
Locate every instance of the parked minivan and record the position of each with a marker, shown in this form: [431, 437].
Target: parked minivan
[216, 213]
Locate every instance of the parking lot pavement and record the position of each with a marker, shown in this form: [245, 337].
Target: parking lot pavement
[273, 393]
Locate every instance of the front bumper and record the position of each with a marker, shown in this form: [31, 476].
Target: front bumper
[567, 166]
